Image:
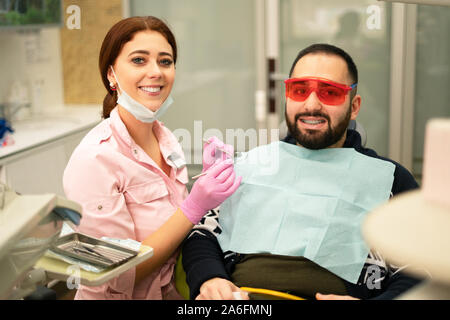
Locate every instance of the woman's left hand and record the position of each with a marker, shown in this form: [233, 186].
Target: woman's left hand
[210, 150]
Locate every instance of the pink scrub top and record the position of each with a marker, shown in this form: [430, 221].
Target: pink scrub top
[125, 195]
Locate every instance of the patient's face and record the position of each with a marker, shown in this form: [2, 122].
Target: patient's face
[312, 123]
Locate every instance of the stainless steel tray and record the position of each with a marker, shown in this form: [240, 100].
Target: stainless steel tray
[92, 250]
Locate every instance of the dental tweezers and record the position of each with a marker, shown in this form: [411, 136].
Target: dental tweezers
[89, 251]
[220, 149]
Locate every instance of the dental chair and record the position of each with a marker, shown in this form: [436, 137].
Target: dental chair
[29, 225]
[355, 125]
[180, 275]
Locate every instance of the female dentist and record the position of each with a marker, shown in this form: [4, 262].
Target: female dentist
[126, 172]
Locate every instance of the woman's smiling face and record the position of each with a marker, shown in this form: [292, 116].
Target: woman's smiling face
[145, 69]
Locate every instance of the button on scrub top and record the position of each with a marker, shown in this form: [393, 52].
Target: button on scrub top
[125, 195]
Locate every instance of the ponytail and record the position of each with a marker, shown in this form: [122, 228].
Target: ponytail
[109, 103]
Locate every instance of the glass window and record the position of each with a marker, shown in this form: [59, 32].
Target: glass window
[215, 80]
[432, 94]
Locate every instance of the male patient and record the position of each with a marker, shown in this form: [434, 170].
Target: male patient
[298, 230]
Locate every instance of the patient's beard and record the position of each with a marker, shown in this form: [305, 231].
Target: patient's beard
[318, 140]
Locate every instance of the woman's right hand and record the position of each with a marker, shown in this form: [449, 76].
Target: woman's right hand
[210, 190]
[219, 289]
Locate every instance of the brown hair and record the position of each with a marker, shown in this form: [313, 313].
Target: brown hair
[115, 39]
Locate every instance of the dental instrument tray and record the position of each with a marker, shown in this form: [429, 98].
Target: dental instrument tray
[92, 250]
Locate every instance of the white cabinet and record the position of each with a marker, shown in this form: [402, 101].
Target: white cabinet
[40, 169]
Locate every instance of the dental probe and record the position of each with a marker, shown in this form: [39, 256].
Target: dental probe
[202, 174]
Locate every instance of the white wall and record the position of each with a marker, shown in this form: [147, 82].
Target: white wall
[30, 55]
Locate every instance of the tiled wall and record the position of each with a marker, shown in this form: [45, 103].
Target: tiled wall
[80, 50]
[63, 60]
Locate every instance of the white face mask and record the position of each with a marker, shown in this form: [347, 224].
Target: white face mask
[138, 110]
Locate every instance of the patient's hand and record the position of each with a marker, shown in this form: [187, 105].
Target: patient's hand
[320, 296]
[219, 289]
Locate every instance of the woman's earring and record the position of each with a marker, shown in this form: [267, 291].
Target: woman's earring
[111, 85]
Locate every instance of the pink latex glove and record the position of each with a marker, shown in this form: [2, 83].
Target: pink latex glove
[210, 152]
[210, 190]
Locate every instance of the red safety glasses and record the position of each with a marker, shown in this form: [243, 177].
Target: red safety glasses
[328, 92]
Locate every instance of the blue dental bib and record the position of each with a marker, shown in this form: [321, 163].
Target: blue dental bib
[299, 202]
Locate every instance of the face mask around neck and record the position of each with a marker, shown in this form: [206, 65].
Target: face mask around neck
[138, 110]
